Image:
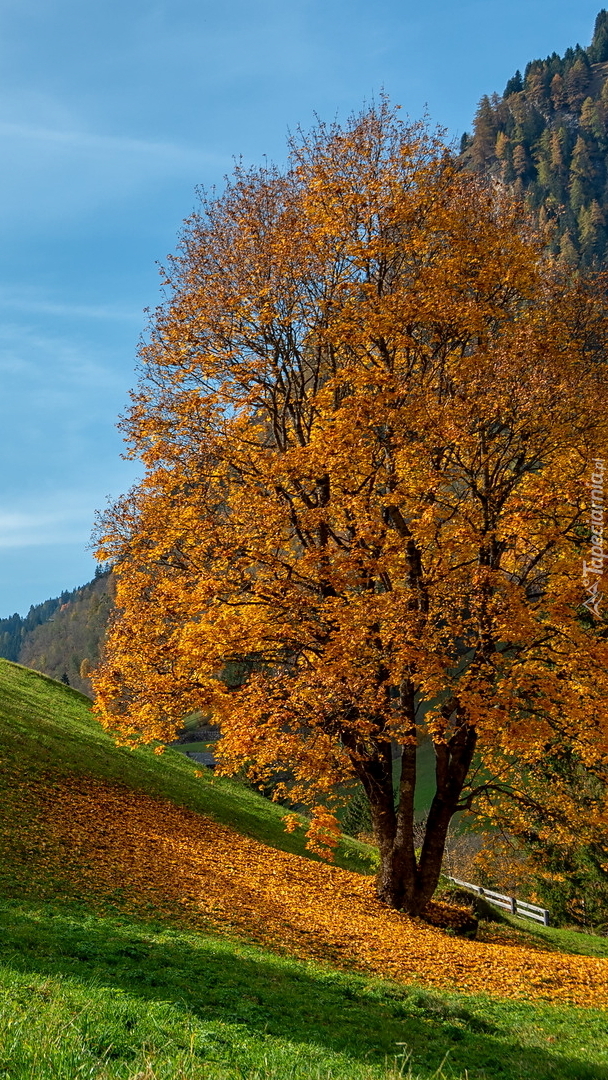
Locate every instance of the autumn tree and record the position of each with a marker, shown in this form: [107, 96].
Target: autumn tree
[485, 129]
[367, 414]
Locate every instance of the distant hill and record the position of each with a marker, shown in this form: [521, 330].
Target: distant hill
[63, 636]
[546, 138]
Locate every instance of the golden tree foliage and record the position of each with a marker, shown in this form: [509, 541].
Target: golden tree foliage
[367, 416]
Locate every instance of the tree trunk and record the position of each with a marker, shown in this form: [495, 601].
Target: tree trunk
[405, 882]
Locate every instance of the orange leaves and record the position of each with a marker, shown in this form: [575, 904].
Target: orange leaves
[323, 832]
[366, 419]
[102, 837]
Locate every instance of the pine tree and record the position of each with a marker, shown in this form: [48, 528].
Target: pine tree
[582, 173]
[485, 130]
[545, 172]
[567, 249]
[598, 50]
[536, 87]
[577, 195]
[559, 163]
[578, 82]
[515, 85]
[504, 154]
[592, 232]
[521, 163]
[558, 93]
[592, 120]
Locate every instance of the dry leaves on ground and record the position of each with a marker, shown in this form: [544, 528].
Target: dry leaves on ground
[107, 837]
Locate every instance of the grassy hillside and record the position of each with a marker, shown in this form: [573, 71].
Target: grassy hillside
[47, 731]
[143, 938]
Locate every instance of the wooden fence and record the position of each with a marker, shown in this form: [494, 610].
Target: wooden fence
[509, 903]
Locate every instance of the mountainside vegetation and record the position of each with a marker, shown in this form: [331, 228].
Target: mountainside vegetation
[62, 637]
[15, 628]
[546, 139]
[163, 925]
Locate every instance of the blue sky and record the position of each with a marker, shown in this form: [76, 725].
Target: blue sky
[111, 113]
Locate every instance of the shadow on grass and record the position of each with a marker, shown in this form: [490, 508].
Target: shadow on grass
[213, 978]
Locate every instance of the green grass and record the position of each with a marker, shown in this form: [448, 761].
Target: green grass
[558, 940]
[425, 771]
[100, 996]
[89, 990]
[46, 726]
[571, 941]
[425, 778]
[193, 747]
[529, 932]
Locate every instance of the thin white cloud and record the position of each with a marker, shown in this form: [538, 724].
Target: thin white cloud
[53, 368]
[36, 528]
[166, 152]
[65, 515]
[32, 306]
[63, 176]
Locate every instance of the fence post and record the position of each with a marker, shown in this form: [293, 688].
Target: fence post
[545, 918]
[513, 905]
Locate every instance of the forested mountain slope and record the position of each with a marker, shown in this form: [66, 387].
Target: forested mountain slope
[546, 138]
[62, 637]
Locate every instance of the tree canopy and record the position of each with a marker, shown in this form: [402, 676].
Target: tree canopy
[368, 415]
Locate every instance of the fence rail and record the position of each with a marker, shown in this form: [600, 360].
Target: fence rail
[508, 903]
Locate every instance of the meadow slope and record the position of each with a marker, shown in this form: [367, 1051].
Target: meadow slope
[102, 839]
[124, 873]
